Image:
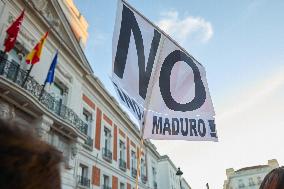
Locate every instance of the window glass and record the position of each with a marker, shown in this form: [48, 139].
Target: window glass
[106, 181]
[121, 150]
[18, 54]
[88, 119]
[83, 170]
[57, 91]
[122, 186]
[133, 159]
[107, 137]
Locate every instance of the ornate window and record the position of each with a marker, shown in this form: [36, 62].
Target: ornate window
[133, 164]
[106, 182]
[59, 92]
[107, 154]
[17, 54]
[83, 178]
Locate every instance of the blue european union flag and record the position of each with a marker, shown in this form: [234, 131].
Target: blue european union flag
[50, 74]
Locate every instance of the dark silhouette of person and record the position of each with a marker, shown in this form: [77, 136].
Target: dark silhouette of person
[274, 179]
[26, 162]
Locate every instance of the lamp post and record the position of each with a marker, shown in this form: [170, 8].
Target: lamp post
[179, 173]
[207, 185]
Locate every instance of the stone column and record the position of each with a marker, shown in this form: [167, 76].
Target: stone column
[43, 127]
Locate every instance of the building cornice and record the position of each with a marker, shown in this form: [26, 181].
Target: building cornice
[83, 63]
[167, 158]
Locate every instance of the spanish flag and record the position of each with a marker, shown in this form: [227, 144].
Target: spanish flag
[34, 56]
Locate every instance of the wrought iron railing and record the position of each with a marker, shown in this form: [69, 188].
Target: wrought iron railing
[107, 154]
[12, 71]
[83, 181]
[89, 143]
[134, 172]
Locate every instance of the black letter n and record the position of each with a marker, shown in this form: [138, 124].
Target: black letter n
[128, 24]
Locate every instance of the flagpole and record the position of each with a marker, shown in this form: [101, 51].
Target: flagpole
[140, 151]
[48, 80]
[207, 185]
[144, 118]
[28, 74]
[42, 90]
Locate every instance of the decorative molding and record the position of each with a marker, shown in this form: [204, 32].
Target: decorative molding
[43, 127]
[39, 4]
[7, 111]
[44, 9]
[75, 148]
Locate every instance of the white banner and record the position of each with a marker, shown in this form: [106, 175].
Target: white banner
[161, 84]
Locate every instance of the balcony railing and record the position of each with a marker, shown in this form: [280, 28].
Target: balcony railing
[107, 155]
[122, 164]
[144, 178]
[89, 143]
[155, 185]
[12, 72]
[133, 172]
[83, 181]
[106, 187]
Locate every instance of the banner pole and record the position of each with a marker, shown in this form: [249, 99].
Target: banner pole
[145, 112]
[139, 161]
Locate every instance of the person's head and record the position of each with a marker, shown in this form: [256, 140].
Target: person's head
[26, 162]
[274, 179]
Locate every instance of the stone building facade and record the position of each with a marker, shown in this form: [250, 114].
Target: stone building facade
[76, 114]
[248, 177]
[184, 184]
[167, 173]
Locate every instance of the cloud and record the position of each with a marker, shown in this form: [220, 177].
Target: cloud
[188, 28]
[252, 96]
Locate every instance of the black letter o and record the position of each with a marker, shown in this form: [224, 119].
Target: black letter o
[164, 82]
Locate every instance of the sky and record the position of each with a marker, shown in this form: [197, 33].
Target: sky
[241, 45]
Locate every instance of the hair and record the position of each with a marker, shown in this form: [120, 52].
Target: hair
[26, 162]
[274, 179]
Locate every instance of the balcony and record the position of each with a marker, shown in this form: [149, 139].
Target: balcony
[11, 72]
[106, 187]
[144, 179]
[133, 172]
[107, 155]
[122, 164]
[155, 185]
[83, 181]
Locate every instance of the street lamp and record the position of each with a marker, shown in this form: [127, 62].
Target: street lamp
[179, 173]
[207, 185]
